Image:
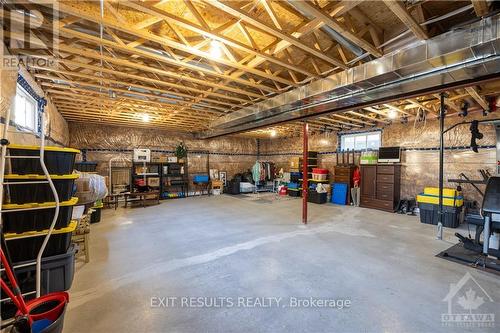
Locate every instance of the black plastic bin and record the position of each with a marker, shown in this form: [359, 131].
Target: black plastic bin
[96, 215]
[86, 166]
[59, 161]
[429, 214]
[315, 197]
[25, 246]
[21, 194]
[38, 219]
[232, 187]
[294, 193]
[57, 275]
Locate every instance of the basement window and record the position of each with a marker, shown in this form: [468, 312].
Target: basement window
[25, 111]
[360, 141]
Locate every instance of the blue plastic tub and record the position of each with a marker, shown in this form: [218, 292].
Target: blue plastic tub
[200, 179]
[339, 193]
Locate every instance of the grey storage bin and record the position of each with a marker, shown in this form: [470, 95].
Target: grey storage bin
[57, 273]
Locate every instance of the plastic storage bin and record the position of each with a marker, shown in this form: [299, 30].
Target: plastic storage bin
[339, 193]
[295, 176]
[456, 201]
[86, 166]
[429, 214]
[200, 179]
[57, 273]
[59, 161]
[294, 193]
[21, 194]
[315, 197]
[25, 246]
[96, 215]
[38, 219]
[319, 176]
[320, 171]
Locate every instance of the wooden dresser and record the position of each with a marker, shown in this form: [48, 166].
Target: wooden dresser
[343, 174]
[380, 186]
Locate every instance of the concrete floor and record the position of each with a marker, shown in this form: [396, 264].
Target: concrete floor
[228, 247]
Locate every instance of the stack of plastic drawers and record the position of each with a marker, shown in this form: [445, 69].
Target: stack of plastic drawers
[294, 189]
[28, 212]
[428, 204]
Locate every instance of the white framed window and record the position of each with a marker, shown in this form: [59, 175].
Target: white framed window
[25, 111]
[360, 141]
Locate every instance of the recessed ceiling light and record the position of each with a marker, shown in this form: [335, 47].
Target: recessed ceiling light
[392, 114]
[273, 133]
[145, 117]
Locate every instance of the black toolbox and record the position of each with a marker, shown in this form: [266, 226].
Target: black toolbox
[37, 219]
[59, 161]
[25, 246]
[429, 214]
[27, 193]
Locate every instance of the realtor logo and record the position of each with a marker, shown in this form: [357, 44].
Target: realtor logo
[468, 305]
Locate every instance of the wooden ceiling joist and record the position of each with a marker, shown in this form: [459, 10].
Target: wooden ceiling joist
[74, 10]
[315, 11]
[238, 13]
[397, 7]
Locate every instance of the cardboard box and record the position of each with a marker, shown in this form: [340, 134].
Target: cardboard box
[154, 181]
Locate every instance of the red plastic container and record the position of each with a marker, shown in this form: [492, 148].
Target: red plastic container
[320, 171]
[49, 306]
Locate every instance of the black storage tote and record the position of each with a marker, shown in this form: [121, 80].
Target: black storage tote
[28, 193]
[37, 219]
[59, 161]
[25, 246]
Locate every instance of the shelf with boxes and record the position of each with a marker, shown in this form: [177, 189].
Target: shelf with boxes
[28, 212]
[174, 180]
[296, 177]
[169, 177]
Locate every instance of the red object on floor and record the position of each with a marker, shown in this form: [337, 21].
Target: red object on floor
[54, 302]
[283, 190]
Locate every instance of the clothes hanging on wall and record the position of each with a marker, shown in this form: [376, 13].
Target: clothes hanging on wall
[263, 171]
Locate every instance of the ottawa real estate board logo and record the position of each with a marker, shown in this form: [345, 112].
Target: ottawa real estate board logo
[27, 30]
[469, 305]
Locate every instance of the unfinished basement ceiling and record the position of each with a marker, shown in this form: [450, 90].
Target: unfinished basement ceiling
[186, 64]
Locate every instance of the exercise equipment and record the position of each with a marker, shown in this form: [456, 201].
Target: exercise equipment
[487, 223]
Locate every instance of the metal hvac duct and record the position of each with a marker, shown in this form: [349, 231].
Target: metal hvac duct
[298, 5]
[458, 57]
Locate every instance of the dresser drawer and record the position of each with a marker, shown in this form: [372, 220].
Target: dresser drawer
[386, 169]
[383, 178]
[385, 187]
[387, 205]
[385, 195]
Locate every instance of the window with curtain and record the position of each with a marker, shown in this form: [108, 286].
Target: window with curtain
[25, 110]
[360, 141]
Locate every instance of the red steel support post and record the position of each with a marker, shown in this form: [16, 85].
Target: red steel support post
[305, 183]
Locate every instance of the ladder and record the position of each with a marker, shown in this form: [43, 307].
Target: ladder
[4, 142]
